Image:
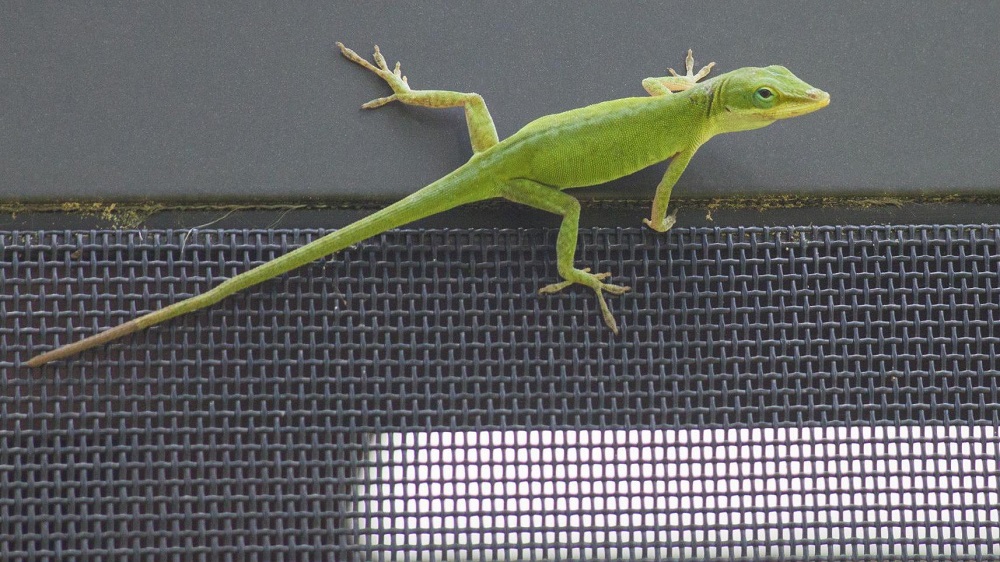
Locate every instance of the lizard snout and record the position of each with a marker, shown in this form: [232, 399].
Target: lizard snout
[818, 95]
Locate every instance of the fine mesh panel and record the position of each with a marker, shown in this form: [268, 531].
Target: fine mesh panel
[798, 393]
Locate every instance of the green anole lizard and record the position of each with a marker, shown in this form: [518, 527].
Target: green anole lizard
[534, 166]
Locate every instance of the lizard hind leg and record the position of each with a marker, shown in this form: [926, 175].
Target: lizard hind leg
[482, 131]
[552, 200]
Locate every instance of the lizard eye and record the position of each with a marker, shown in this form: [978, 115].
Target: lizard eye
[764, 97]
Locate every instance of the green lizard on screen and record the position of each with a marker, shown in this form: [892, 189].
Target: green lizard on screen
[534, 166]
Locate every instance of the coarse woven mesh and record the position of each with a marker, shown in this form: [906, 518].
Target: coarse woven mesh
[797, 393]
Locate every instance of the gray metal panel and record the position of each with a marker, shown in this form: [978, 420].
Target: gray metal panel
[180, 100]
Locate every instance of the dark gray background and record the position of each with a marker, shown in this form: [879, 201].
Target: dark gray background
[178, 100]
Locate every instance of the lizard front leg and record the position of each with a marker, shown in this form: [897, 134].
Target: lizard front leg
[482, 132]
[658, 219]
[550, 199]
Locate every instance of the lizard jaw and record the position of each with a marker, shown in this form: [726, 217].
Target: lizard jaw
[813, 100]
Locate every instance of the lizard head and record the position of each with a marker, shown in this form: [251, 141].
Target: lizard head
[756, 97]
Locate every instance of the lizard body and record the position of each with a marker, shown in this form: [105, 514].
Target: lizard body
[576, 148]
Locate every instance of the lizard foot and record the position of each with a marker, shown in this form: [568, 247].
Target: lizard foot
[678, 82]
[668, 222]
[596, 282]
[393, 77]
[690, 75]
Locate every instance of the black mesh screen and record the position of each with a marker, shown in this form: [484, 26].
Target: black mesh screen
[795, 393]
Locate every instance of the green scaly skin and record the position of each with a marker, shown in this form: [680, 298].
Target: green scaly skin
[581, 147]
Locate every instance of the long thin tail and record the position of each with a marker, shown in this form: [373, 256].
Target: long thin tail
[435, 198]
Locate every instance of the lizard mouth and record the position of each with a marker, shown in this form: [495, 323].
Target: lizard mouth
[812, 100]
